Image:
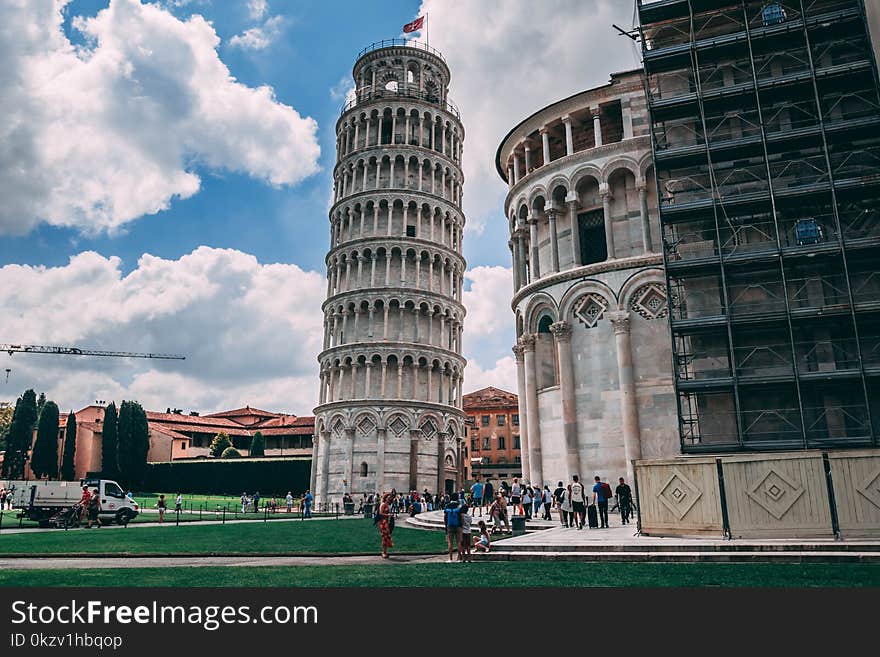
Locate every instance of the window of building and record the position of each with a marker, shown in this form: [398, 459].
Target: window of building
[183, 446]
[485, 420]
[514, 419]
[501, 442]
[592, 233]
[364, 470]
[472, 420]
[474, 446]
[410, 231]
[516, 442]
[499, 420]
[486, 444]
[516, 459]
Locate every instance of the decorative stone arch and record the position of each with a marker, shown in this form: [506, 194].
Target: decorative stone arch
[366, 422]
[617, 164]
[538, 304]
[429, 425]
[450, 460]
[645, 163]
[645, 294]
[587, 171]
[538, 190]
[338, 423]
[586, 302]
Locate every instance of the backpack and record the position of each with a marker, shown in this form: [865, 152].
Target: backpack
[606, 491]
[453, 516]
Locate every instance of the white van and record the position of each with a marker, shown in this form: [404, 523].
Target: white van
[40, 500]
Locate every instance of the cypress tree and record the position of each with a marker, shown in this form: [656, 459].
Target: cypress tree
[68, 466]
[44, 460]
[140, 444]
[125, 441]
[18, 441]
[258, 445]
[110, 443]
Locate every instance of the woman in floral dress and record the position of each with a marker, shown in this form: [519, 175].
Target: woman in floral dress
[385, 526]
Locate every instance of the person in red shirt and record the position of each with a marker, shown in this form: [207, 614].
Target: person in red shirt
[84, 502]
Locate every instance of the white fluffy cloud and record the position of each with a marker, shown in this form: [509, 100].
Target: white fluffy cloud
[97, 136]
[257, 8]
[261, 36]
[510, 59]
[250, 331]
[489, 329]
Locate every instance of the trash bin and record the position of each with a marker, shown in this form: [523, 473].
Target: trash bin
[348, 508]
[368, 510]
[518, 525]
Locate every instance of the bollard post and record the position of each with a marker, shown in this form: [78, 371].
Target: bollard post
[265, 513]
[224, 515]
[176, 518]
[1, 519]
[337, 510]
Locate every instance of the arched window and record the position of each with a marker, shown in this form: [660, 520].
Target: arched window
[545, 353]
[364, 470]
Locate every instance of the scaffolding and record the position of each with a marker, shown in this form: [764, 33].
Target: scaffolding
[765, 120]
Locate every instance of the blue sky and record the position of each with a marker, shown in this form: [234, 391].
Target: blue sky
[157, 198]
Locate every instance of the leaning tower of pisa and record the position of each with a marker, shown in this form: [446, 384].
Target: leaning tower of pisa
[390, 408]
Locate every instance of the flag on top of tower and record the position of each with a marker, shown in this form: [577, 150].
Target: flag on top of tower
[415, 26]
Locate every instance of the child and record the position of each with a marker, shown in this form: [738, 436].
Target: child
[464, 547]
[482, 541]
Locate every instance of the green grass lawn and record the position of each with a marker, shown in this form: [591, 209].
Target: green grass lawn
[485, 574]
[303, 537]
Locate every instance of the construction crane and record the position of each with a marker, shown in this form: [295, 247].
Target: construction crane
[76, 351]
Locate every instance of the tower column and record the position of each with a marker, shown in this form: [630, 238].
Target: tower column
[629, 410]
[562, 336]
[531, 379]
[522, 399]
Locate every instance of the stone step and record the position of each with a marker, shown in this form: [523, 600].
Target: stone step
[685, 556]
[697, 546]
[428, 521]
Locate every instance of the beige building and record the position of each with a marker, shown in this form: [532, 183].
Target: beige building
[590, 301]
[492, 451]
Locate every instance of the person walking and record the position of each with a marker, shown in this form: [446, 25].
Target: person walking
[624, 500]
[244, 502]
[578, 501]
[178, 503]
[256, 500]
[307, 504]
[547, 497]
[289, 501]
[452, 521]
[84, 500]
[477, 495]
[527, 502]
[161, 505]
[559, 498]
[601, 493]
[386, 525]
[537, 500]
[464, 546]
[488, 494]
[95, 508]
[516, 497]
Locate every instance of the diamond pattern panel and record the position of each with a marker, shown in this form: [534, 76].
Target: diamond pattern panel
[679, 494]
[650, 301]
[870, 488]
[398, 425]
[775, 493]
[589, 309]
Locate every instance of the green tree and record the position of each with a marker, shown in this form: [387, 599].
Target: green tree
[258, 445]
[24, 417]
[6, 410]
[110, 443]
[68, 466]
[230, 453]
[140, 444]
[220, 443]
[44, 460]
[125, 440]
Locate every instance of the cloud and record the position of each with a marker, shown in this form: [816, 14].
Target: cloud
[488, 329]
[98, 135]
[250, 332]
[509, 60]
[257, 8]
[259, 37]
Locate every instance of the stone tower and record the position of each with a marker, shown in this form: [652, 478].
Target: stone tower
[390, 408]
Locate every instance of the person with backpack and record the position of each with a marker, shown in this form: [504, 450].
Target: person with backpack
[601, 494]
[516, 497]
[578, 501]
[624, 500]
[452, 520]
[559, 497]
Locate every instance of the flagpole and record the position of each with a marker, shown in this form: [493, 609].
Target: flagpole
[427, 30]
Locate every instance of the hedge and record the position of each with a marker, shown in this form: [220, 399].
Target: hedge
[269, 476]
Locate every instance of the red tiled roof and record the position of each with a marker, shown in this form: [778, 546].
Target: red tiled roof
[288, 431]
[175, 418]
[286, 421]
[247, 410]
[168, 432]
[234, 430]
